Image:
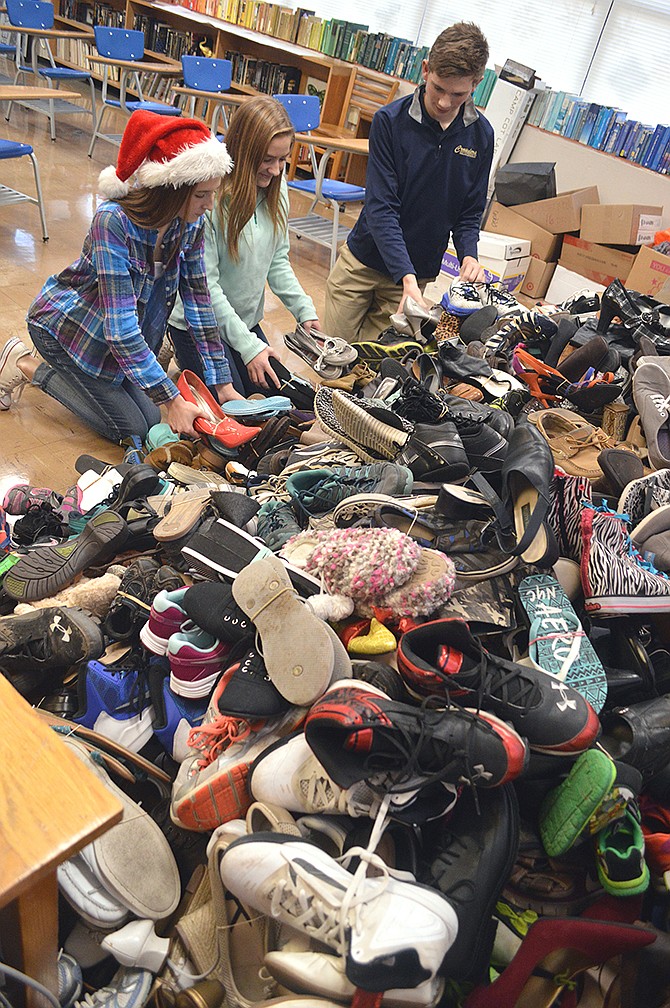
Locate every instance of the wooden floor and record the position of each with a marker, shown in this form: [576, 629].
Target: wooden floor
[39, 439]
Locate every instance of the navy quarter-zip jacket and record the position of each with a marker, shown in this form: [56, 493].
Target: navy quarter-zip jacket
[423, 183]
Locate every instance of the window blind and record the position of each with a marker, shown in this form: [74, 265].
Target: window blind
[629, 69]
[555, 38]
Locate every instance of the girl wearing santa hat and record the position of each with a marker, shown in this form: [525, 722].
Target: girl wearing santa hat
[247, 245]
[98, 326]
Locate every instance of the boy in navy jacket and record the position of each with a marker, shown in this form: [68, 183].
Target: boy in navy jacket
[427, 177]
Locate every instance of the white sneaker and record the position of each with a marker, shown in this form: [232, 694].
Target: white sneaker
[12, 380]
[289, 775]
[498, 296]
[391, 933]
[463, 298]
[128, 988]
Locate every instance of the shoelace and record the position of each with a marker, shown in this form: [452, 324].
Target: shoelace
[419, 748]
[631, 550]
[213, 737]
[324, 921]
[467, 290]
[662, 403]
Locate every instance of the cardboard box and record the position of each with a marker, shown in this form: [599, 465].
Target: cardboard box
[538, 277]
[597, 262]
[620, 223]
[509, 272]
[565, 283]
[501, 246]
[505, 220]
[562, 213]
[650, 274]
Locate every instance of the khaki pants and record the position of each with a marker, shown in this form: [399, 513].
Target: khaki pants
[359, 300]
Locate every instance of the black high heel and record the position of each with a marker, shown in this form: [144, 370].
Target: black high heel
[639, 314]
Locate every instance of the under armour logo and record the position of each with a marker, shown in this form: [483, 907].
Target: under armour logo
[58, 627]
[565, 700]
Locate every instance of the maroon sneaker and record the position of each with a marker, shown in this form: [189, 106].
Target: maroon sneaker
[165, 618]
[442, 659]
[357, 733]
[196, 661]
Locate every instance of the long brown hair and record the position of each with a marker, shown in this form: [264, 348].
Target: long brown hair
[253, 127]
[157, 206]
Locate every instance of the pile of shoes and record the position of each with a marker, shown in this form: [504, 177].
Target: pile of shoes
[385, 686]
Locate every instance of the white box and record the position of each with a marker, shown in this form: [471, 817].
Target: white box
[510, 273]
[507, 110]
[565, 283]
[499, 246]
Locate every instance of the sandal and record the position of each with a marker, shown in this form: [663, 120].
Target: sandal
[327, 355]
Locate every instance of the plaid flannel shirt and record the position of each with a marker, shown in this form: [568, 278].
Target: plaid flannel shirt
[95, 307]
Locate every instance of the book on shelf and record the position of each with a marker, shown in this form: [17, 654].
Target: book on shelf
[642, 141]
[484, 88]
[564, 108]
[657, 137]
[542, 97]
[551, 110]
[572, 117]
[611, 144]
[629, 137]
[589, 123]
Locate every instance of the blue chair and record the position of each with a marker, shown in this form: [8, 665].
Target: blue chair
[207, 76]
[304, 112]
[38, 14]
[10, 149]
[127, 46]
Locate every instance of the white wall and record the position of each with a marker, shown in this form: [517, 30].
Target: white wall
[578, 165]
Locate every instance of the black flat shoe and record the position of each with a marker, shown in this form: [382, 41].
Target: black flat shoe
[527, 472]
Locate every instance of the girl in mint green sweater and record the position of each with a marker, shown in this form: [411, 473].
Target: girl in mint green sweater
[247, 245]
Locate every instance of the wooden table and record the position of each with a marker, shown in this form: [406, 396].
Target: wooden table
[25, 93]
[51, 806]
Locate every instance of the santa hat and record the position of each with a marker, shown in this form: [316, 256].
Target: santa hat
[164, 151]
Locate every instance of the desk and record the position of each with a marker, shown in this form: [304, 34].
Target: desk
[223, 100]
[332, 192]
[25, 93]
[58, 103]
[51, 806]
[127, 68]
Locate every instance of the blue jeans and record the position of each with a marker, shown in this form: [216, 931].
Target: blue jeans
[188, 359]
[113, 411]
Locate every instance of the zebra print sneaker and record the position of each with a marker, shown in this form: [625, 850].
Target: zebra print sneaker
[568, 495]
[644, 495]
[615, 578]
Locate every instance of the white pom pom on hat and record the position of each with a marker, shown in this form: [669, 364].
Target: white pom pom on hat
[164, 151]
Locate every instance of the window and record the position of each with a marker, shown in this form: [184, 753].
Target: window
[630, 65]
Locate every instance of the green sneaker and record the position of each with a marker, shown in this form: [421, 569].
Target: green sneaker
[566, 810]
[622, 869]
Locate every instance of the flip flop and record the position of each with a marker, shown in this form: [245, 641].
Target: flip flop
[270, 406]
[557, 642]
[46, 569]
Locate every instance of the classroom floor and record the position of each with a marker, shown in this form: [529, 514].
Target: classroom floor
[40, 439]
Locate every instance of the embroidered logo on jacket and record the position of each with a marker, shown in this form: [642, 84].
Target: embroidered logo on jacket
[465, 151]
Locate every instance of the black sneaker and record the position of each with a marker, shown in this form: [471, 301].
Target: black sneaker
[40, 523]
[470, 856]
[495, 416]
[37, 644]
[442, 659]
[486, 448]
[358, 733]
[212, 607]
[129, 610]
[435, 453]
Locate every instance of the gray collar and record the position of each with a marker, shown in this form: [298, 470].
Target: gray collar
[470, 113]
